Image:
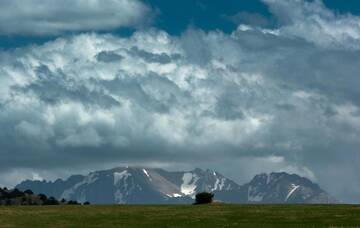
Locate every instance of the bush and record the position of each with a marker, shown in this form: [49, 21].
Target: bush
[15, 193]
[204, 198]
[72, 202]
[51, 201]
[8, 202]
[29, 192]
[86, 203]
[43, 197]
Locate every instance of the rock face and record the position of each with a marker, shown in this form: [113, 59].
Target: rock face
[278, 188]
[132, 185]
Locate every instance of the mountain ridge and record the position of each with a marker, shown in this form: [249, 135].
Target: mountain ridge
[139, 185]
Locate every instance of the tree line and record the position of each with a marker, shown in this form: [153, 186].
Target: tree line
[17, 197]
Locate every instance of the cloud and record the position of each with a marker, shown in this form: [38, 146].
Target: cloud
[257, 99]
[52, 17]
[108, 56]
[312, 21]
[254, 19]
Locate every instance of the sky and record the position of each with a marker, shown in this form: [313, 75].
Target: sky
[238, 86]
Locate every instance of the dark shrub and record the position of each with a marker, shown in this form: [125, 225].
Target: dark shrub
[8, 202]
[51, 201]
[63, 201]
[72, 202]
[204, 198]
[87, 203]
[15, 193]
[29, 192]
[43, 197]
[2, 193]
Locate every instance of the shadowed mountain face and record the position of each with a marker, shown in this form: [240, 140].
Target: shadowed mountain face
[157, 186]
[277, 188]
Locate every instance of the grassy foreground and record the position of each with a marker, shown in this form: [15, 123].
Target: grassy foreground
[181, 216]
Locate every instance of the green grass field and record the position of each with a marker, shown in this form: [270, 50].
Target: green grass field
[181, 216]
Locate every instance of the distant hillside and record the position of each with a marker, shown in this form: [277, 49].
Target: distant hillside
[27, 197]
[134, 185]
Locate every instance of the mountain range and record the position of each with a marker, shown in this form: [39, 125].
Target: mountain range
[136, 185]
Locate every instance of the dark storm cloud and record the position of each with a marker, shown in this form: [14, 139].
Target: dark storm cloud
[136, 91]
[56, 87]
[108, 56]
[162, 58]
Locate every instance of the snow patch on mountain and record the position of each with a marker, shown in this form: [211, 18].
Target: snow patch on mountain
[68, 193]
[82, 197]
[174, 195]
[292, 190]
[268, 178]
[147, 174]
[119, 197]
[189, 183]
[254, 195]
[124, 186]
[120, 176]
[219, 184]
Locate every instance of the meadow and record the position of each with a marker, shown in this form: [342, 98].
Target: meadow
[216, 215]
